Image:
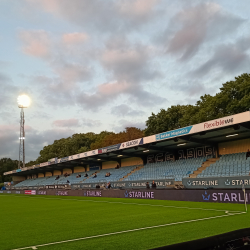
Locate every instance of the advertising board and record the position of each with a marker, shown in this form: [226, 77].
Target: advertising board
[109, 149]
[30, 192]
[204, 126]
[229, 182]
[41, 192]
[93, 193]
[132, 143]
[163, 183]
[63, 193]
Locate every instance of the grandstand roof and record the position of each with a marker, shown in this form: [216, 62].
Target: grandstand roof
[208, 133]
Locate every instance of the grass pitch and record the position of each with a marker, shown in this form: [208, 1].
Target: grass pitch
[65, 223]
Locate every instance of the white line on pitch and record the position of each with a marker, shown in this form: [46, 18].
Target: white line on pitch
[126, 231]
[127, 203]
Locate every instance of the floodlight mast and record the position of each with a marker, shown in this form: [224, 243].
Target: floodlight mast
[23, 102]
[21, 139]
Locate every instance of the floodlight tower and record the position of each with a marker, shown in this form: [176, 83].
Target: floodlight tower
[23, 102]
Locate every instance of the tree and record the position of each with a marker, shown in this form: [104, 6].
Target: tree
[166, 120]
[233, 98]
[6, 164]
[109, 138]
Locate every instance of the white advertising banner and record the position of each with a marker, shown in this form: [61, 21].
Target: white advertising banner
[201, 127]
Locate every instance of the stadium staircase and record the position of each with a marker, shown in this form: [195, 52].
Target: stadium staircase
[134, 170]
[204, 165]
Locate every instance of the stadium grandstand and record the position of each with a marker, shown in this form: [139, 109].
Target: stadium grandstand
[181, 189]
[217, 148]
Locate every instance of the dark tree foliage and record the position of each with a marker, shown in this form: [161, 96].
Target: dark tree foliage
[233, 98]
[6, 164]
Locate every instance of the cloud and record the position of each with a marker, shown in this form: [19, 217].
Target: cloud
[125, 110]
[229, 58]
[67, 70]
[70, 73]
[36, 43]
[8, 93]
[191, 89]
[130, 66]
[74, 38]
[91, 123]
[34, 140]
[192, 27]
[127, 61]
[116, 15]
[67, 123]
[9, 141]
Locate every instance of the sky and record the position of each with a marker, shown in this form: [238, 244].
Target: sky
[90, 66]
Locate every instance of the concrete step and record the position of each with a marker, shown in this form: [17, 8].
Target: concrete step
[205, 165]
[131, 172]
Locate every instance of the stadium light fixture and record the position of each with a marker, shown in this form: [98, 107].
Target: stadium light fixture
[231, 135]
[181, 144]
[23, 101]
[146, 151]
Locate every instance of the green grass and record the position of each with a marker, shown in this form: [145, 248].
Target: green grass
[33, 220]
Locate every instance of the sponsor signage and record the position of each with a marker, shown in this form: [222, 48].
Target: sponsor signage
[139, 194]
[93, 193]
[18, 192]
[60, 186]
[44, 164]
[132, 143]
[222, 196]
[173, 133]
[41, 192]
[127, 184]
[37, 166]
[63, 193]
[217, 123]
[217, 182]
[82, 155]
[30, 192]
[65, 159]
[1, 192]
[6, 173]
[109, 149]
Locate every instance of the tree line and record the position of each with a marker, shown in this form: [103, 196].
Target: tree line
[6, 164]
[233, 98]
